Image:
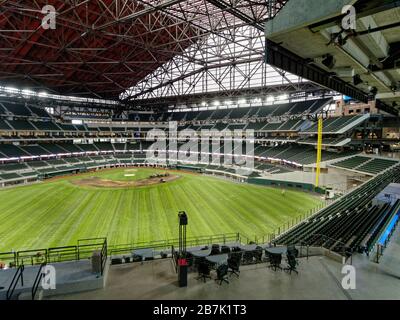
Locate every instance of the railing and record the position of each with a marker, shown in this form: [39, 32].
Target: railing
[38, 280]
[169, 243]
[269, 238]
[379, 252]
[32, 257]
[297, 220]
[19, 274]
[301, 245]
[10, 258]
[86, 247]
[103, 256]
[346, 251]
[380, 247]
[61, 254]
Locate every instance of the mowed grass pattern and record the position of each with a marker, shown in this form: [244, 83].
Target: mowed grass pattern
[58, 213]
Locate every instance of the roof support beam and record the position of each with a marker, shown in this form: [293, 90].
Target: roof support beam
[139, 14]
[237, 13]
[282, 58]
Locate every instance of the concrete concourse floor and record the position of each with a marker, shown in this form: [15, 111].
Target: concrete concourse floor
[158, 280]
[319, 278]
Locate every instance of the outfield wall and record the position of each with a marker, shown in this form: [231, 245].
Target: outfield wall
[286, 184]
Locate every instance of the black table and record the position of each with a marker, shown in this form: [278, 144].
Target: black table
[201, 253]
[218, 259]
[249, 247]
[276, 250]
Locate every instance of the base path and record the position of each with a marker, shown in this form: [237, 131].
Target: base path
[104, 183]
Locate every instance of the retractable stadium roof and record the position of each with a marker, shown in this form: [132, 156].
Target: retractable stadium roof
[102, 48]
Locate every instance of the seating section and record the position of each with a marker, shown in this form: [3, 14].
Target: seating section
[40, 112]
[88, 147]
[46, 126]
[4, 125]
[21, 125]
[366, 164]
[38, 164]
[53, 148]
[12, 151]
[273, 123]
[67, 127]
[256, 126]
[104, 146]
[343, 225]
[239, 113]
[302, 155]
[277, 110]
[13, 167]
[272, 169]
[9, 176]
[18, 109]
[283, 109]
[352, 162]
[290, 125]
[72, 148]
[376, 166]
[337, 141]
[379, 227]
[36, 118]
[334, 124]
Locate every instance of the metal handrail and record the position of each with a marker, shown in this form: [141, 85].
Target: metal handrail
[38, 279]
[19, 274]
[345, 248]
[103, 256]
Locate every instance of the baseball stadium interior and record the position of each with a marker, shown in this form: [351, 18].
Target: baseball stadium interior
[199, 149]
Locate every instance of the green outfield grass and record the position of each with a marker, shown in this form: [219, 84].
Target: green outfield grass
[58, 213]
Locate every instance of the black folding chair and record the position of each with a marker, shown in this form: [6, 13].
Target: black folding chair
[248, 257]
[204, 271]
[258, 254]
[234, 265]
[222, 274]
[275, 261]
[215, 250]
[225, 249]
[292, 264]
